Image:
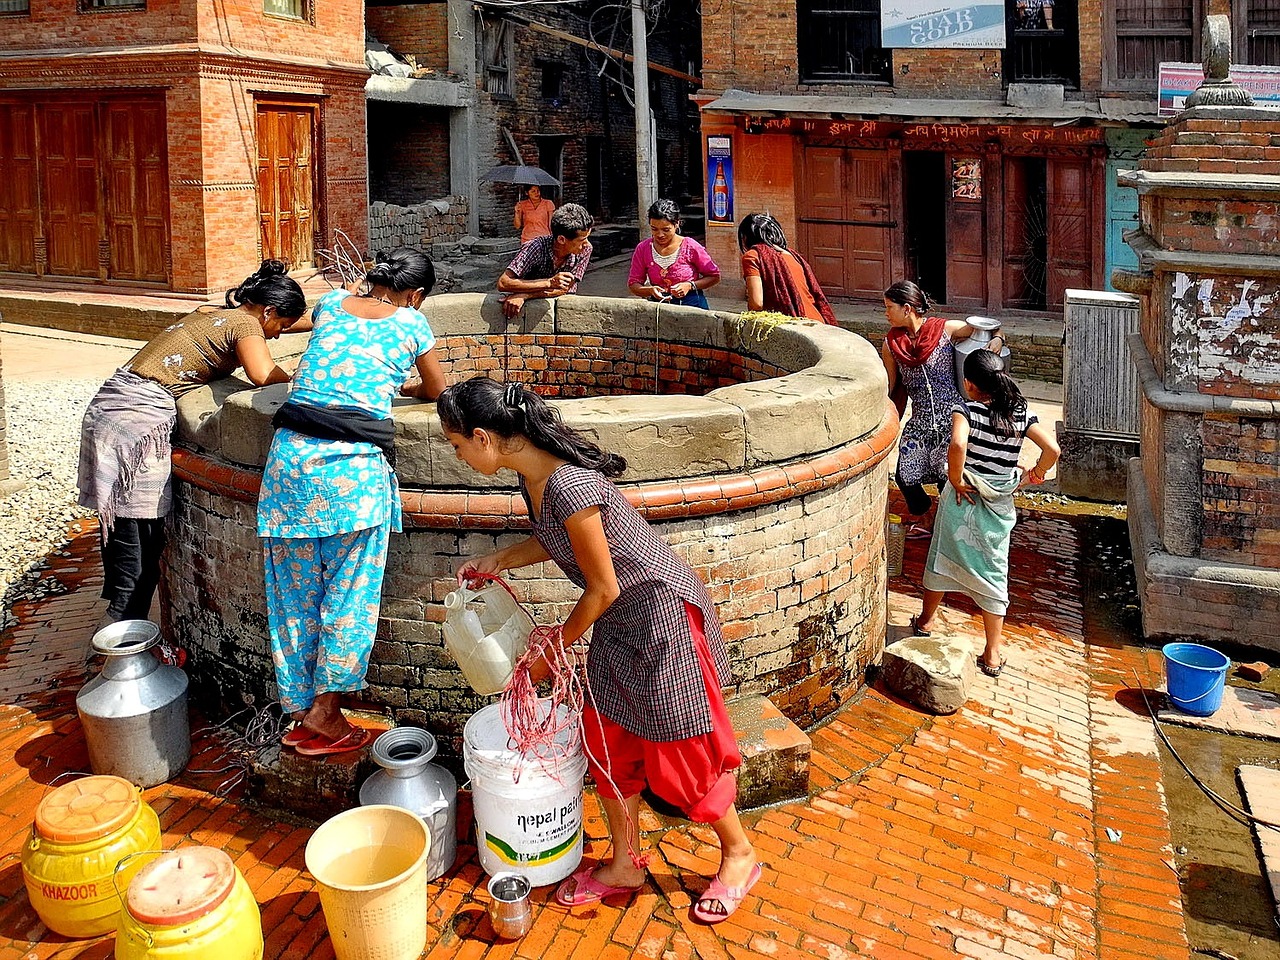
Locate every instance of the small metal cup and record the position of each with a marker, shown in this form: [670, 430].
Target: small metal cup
[509, 909]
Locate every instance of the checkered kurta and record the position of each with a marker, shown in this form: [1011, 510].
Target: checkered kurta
[642, 667]
[536, 260]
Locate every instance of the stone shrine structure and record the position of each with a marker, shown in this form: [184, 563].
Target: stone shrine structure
[1204, 497]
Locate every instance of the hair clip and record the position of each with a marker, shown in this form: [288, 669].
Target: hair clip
[514, 396]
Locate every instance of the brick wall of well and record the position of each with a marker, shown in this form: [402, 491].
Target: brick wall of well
[419, 225]
[420, 29]
[799, 588]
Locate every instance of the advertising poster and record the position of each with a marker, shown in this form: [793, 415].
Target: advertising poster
[941, 23]
[720, 180]
[1179, 80]
[966, 178]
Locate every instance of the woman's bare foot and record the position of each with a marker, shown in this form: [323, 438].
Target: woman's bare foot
[735, 868]
[619, 872]
[326, 718]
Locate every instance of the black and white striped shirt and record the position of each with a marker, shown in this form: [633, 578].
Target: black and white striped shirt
[990, 454]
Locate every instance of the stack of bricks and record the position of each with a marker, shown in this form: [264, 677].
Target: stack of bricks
[419, 226]
[1204, 500]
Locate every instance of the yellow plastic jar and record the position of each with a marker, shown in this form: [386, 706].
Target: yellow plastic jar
[190, 904]
[82, 830]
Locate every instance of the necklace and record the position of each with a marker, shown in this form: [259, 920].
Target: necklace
[389, 302]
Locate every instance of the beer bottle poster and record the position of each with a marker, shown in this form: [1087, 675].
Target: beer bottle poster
[720, 180]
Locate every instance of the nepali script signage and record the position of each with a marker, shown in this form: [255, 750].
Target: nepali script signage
[1178, 80]
[941, 23]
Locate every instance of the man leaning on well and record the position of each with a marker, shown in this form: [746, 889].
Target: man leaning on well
[549, 266]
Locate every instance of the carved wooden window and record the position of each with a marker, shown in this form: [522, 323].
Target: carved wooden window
[497, 54]
[1257, 26]
[86, 6]
[293, 9]
[839, 42]
[1148, 32]
[15, 7]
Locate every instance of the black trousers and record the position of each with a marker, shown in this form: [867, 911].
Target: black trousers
[131, 567]
[918, 501]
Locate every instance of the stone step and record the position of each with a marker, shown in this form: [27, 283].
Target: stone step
[775, 753]
[934, 673]
[1261, 789]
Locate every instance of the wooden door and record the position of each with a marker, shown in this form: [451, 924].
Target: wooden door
[286, 181]
[966, 232]
[19, 212]
[70, 188]
[1026, 220]
[848, 231]
[1070, 233]
[136, 195]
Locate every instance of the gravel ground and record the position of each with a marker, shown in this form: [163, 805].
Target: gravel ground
[44, 443]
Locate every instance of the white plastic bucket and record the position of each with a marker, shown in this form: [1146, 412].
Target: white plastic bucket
[531, 826]
[486, 631]
[370, 865]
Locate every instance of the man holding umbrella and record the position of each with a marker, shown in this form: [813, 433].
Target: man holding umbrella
[549, 266]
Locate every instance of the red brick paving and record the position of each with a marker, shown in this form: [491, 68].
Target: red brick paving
[982, 834]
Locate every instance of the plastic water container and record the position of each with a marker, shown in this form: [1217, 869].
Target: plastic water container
[1195, 677]
[82, 830]
[528, 808]
[189, 904]
[371, 867]
[486, 631]
[895, 544]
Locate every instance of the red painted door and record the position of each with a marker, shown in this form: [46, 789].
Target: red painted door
[19, 210]
[1070, 234]
[966, 231]
[286, 182]
[70, 188]
[136, 190]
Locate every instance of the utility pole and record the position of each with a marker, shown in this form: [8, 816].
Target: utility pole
[646, 179]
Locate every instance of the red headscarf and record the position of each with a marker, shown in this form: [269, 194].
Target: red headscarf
[911, 351]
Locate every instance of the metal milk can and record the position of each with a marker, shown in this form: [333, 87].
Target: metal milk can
[408, 779]
[986, 336]
[134, 713]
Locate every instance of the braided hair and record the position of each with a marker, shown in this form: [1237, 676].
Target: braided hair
[509, 410]
[270, 286]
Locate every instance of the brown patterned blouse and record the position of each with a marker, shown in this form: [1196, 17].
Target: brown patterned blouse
[641, 664]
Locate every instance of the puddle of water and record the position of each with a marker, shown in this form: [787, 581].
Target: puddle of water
[1225, 898]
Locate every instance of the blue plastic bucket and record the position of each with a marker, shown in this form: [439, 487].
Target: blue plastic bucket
[1195, 676]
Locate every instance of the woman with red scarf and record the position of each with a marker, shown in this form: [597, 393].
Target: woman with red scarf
[778, 278]
[921, 363]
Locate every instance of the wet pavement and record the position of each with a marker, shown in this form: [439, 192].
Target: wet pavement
[1040, 820]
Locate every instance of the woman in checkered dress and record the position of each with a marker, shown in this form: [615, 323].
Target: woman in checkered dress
[656, 663]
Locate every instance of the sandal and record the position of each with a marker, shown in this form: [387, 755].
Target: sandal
[916, 629]
[298, 734]
[719, 902]
[918, 531]
[321, 746]
[587, 889]
[989, 670]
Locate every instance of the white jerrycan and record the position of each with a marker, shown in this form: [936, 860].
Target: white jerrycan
[486, 631]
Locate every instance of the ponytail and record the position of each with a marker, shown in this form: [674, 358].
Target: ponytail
[270, 286]
[985, 370]
[509, 410]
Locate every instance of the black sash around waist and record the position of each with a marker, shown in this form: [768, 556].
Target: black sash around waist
[353, 426]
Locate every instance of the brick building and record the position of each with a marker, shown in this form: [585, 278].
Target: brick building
[173, 143]
[553, 79]
[986, 172]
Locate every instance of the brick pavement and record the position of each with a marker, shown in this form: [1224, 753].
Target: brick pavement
[982, 835]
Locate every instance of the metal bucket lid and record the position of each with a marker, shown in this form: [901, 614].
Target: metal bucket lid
[125, 638]
[181, 886]
[87, 809]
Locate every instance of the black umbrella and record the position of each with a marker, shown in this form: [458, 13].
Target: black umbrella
[522, 174]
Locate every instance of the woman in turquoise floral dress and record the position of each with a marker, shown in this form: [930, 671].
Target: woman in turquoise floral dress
[329, 499]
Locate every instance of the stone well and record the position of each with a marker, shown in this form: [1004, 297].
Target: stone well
[762, 461]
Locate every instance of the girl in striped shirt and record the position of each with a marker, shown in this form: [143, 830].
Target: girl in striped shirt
[970, 548]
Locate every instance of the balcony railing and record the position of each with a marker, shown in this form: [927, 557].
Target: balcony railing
[1038, 53]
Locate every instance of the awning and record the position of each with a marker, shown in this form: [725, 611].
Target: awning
[910, 108]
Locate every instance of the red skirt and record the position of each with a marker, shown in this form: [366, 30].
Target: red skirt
[694, 774]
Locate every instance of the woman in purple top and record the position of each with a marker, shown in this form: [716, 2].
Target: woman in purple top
[669, 267]
[656, 662]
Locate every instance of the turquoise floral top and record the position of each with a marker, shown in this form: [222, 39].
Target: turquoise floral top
[318, 488]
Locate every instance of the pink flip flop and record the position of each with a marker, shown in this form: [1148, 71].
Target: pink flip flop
[299, 734]
[321, 746]
[587, 889]
[727, 899]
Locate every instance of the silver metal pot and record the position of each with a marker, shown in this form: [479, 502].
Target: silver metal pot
[986, 335]
[134, 713]
[408, 779]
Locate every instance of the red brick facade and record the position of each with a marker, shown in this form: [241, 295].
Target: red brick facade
[210, 67]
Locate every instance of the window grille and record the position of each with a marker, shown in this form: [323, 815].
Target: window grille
[839, 42]
[293, 9]
[15, 6]
[86, 5]
[1262, 33]
[1151, 31]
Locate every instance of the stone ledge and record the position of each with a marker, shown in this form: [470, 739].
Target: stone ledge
[775, 753]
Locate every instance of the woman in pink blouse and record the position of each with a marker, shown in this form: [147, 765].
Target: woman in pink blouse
[669, 267]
